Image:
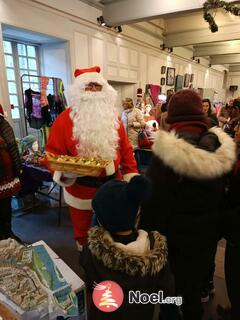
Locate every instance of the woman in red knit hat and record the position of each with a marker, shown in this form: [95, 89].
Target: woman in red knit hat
[188, 172]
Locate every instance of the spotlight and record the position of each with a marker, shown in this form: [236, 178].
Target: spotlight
[169, 50]
[209, 66]
[162, 46]
[101, 21]
[194, 59]
[118, 29]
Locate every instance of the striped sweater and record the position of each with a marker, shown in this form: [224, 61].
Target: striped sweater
[10, 164]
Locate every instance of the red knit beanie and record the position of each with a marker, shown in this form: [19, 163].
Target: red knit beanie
[185, 105]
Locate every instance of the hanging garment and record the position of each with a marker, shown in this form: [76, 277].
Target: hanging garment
[44, 83]
[45, 134]
[32, 107]
[155, 91]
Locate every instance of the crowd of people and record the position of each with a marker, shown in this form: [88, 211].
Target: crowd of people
[159, 231]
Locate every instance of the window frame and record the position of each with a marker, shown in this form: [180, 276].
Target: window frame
[17, 72]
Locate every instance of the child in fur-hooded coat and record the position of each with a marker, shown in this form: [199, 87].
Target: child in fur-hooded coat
[118, 252]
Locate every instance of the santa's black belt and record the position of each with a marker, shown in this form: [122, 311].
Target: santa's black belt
[94, 182]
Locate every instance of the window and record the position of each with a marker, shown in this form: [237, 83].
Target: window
[20, 58]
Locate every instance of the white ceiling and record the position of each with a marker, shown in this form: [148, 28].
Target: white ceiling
[183, 25]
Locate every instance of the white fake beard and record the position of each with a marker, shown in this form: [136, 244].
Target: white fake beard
[95, 122]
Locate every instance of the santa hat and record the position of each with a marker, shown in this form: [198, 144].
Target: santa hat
[185, 105]
[116, 203]
[139, 93]
[88, 75]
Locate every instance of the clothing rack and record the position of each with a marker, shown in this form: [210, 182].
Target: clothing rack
[23, 92]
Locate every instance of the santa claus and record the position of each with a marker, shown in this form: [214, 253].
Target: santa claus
[90, 128]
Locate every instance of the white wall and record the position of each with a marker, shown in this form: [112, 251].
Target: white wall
[233, 79]
[131, 57]
[55, 61]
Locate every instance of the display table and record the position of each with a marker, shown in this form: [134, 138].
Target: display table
[34, 179]
[78, 285]
[37, 284]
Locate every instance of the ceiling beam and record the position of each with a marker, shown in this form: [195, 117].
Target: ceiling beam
[217, 49]
[129, 11]
[225, 59]
[225, 33]
[235, 68]
[121, 12]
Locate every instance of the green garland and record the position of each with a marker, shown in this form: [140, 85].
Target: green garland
[215, 4]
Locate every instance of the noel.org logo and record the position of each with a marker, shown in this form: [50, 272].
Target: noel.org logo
[107, 296]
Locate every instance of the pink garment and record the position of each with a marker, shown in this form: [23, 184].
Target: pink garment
[44, 82]
[155, 90]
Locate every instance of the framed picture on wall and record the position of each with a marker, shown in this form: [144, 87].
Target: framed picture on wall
[170, 77]
[162, 81]
[186, 80]
[192, 77]
[163, 69]
[178, 82]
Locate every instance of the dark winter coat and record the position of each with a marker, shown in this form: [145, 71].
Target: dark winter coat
[188, 175]
[231, 216]
[103, 259]
[6, 132]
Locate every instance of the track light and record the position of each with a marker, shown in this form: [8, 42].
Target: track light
[118, 29]
[162, 47]
[101, 21]
[194, 59]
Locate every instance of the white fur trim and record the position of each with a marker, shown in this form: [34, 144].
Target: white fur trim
[72, 201]
[138, 247]
[57, 177]
[110, 169]
[186, 159]
[128, 176]
[88, 77]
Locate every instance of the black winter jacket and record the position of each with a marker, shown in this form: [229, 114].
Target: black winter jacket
[103, 260]
[231, 216]
[188, 172]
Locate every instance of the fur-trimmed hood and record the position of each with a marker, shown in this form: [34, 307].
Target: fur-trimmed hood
[117, 256]
[186, 159]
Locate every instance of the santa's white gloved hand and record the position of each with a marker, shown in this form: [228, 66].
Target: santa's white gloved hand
[64, 179]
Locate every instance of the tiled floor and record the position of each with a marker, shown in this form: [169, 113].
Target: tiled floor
[41, 223]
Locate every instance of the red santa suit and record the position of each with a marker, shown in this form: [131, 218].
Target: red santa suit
[79, 191]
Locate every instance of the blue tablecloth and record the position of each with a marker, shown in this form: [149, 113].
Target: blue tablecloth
[33, 177]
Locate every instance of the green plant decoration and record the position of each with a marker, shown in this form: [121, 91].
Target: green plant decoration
[216, 4]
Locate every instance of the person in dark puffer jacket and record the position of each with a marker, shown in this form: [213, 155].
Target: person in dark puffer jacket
[230, 230]
[118, 252]
[188, 172]
[10, 167]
